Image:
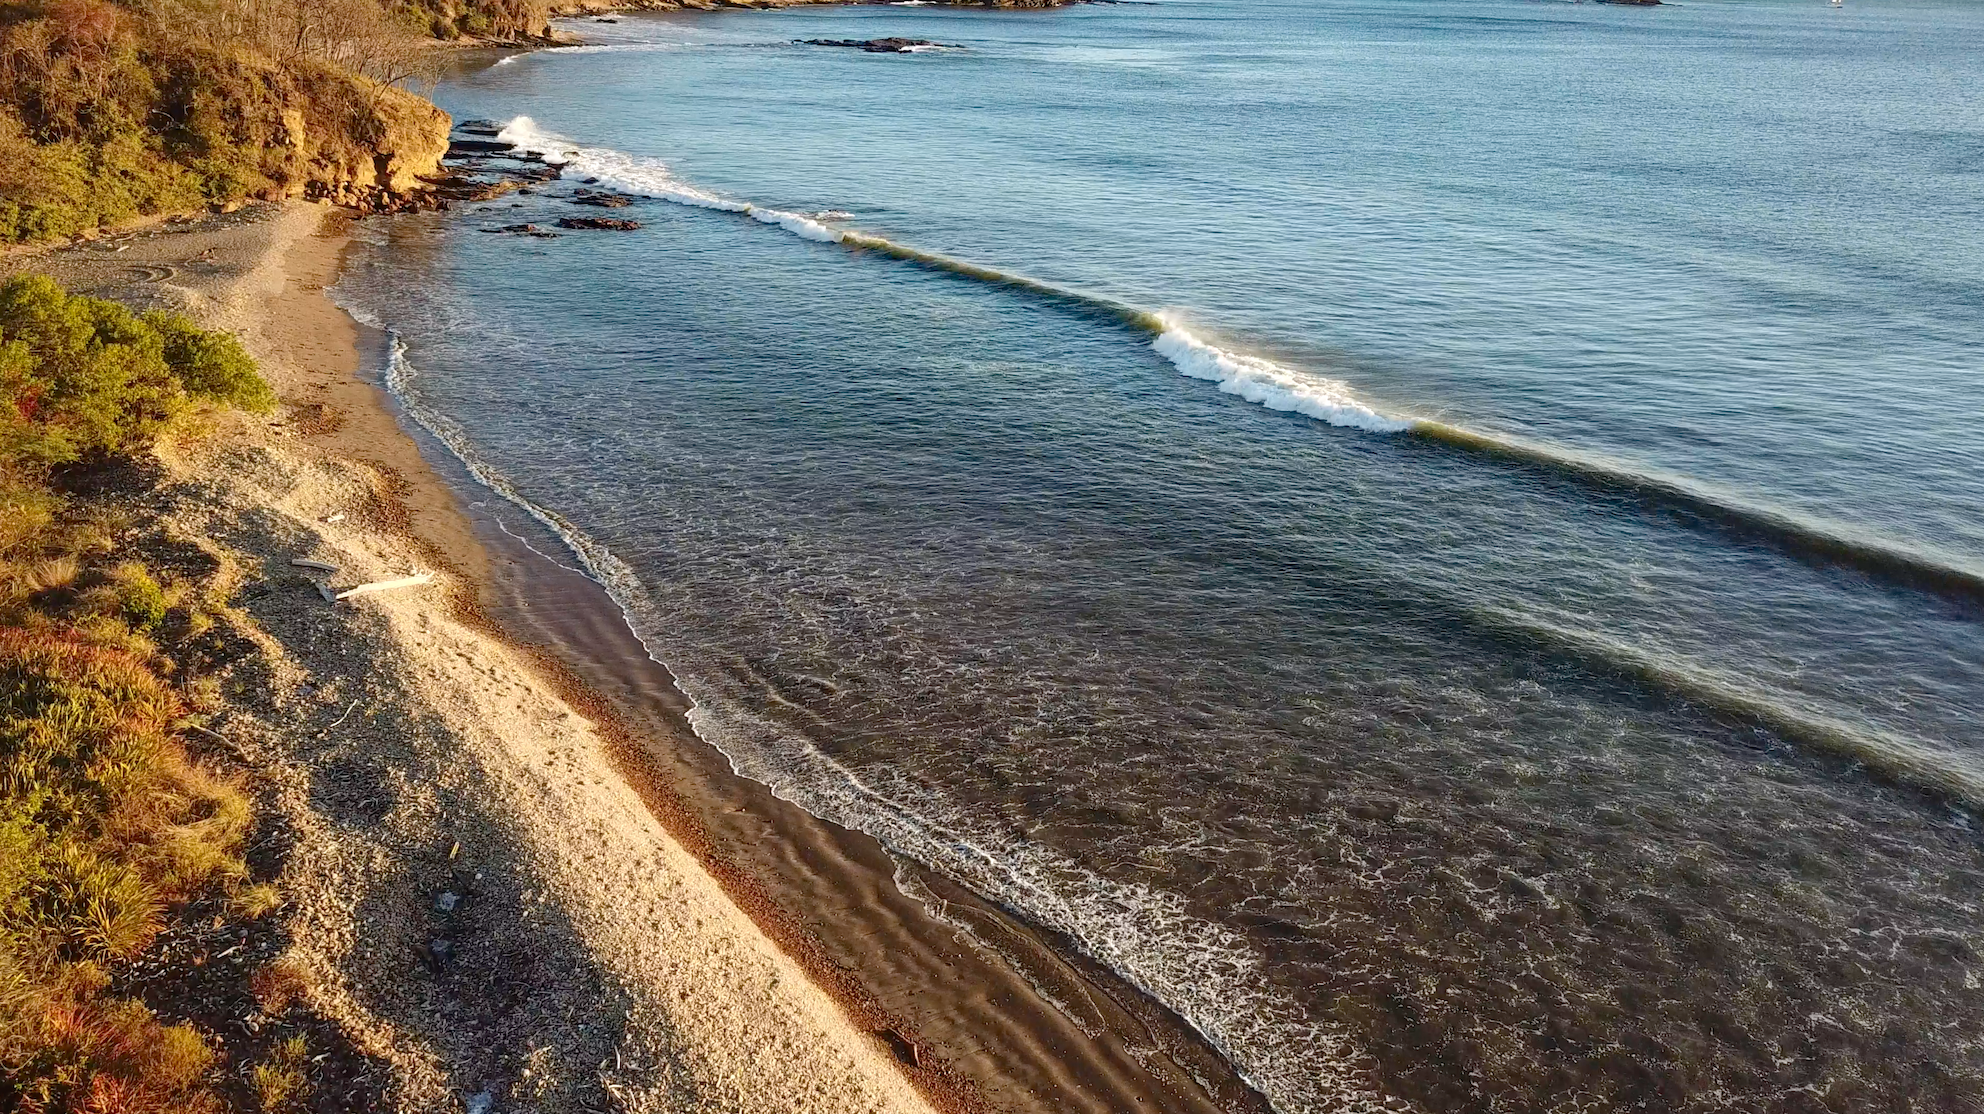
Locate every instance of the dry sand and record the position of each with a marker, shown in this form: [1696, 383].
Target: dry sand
[481, 899]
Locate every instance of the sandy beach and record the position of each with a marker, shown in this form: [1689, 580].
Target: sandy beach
[479, 898]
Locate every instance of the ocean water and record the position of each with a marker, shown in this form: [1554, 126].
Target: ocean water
[1444, 539]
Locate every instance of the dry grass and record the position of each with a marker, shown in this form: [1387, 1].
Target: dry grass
[256, 901]
[278, 985]
[107, 822]
[279, 1082]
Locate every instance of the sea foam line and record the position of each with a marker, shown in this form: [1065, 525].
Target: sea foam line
[1257, 380]
[1280, 387]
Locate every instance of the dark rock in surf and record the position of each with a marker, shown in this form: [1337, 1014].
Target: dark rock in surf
[876, 46]
[602, 200]
[487, 128]
[610, 224]
[472, 148]
[462, 187]
[524, 230]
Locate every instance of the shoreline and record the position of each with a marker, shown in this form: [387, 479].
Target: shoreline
[1017, 1021]
[913, 1000]
[478, 899]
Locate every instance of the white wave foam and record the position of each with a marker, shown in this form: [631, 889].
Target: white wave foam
[1270, 384]
[648, 177]
[1250, 377]
[1207, 973]
[617, 48]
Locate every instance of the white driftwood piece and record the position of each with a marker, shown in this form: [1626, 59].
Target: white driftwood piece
[413, 581]
[307, 563]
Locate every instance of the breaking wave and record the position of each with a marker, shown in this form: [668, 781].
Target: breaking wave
[1280, 387]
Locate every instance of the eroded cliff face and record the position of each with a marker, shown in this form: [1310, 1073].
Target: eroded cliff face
[380, 159]
[175, 127]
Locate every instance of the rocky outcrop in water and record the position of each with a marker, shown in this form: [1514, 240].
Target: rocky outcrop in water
[479, 167]
[876, 46]
[523, 230]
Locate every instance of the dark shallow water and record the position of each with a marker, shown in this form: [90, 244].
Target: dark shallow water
[1620, 750]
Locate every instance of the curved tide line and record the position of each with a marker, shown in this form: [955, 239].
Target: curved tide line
[1201, 970]
[1283, 388]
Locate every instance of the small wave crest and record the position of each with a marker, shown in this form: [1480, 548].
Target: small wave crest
[1294, 390]
[1830, 543]
[1887, 755]
[1249, 377]
[1270, 384]
[649, 177]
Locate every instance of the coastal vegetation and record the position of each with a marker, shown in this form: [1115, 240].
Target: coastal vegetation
[499, 20]
[109, 821]
[113, 110]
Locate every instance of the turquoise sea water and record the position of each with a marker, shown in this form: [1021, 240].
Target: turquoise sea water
[1445, 540]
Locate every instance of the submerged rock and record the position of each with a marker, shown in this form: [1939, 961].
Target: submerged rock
[524, 230]
[607, 223]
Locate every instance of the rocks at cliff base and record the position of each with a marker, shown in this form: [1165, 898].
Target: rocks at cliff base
[882, 46]
[469, 148]
[610, 224]
[480, 167]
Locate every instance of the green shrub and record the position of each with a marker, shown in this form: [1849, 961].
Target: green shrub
[86, 376]
[212, 365]
[139, 596]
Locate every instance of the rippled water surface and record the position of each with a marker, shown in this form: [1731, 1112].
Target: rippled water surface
[1529, 659]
